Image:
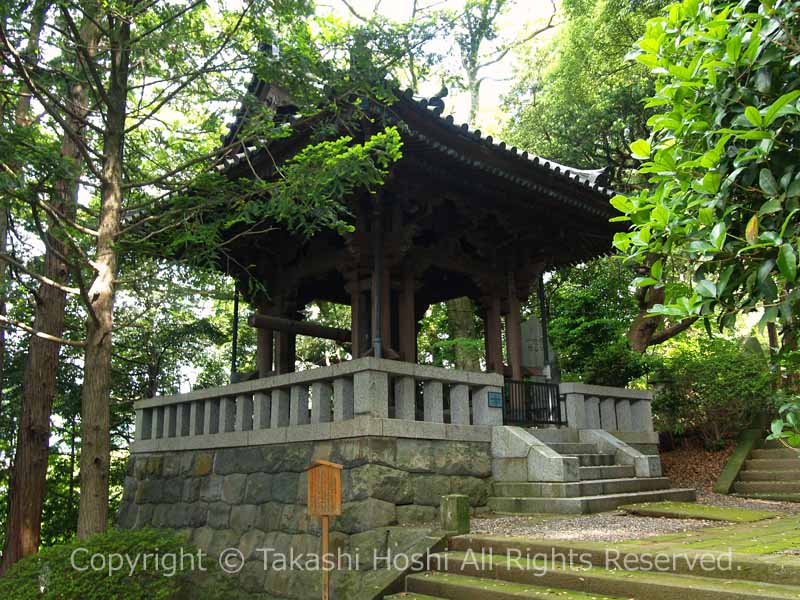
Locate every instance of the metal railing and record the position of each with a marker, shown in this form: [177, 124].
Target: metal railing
[532, 404]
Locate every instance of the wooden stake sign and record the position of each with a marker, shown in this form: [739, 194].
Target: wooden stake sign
[325, 501]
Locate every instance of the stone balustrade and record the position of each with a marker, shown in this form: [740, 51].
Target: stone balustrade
[366, 396]
[608, 408]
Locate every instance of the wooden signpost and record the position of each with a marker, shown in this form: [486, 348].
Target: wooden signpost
[325, 501]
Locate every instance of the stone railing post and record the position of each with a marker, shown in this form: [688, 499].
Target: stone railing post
[261, 410]
[433, 401]
[576, 411]
[624, 418]
[405, 404]
[484, 409]
[459, 404]
[321, 402]
[298, 411]
[642, 414]
[342, 399]
[592, 406]
[371, 394]
[244, 412]
[608, 414]
[280, 408]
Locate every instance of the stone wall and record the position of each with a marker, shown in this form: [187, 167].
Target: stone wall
[255, 497]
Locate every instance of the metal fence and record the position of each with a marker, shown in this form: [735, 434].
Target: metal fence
[532, 403]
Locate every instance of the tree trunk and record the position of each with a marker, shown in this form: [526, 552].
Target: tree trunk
[461, 317]
[29, 474]
[95, 418]
[644, 327]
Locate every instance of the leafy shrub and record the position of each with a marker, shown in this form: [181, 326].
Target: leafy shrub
[712, 386]
[786, 428]
[615, 364]
[52, 574]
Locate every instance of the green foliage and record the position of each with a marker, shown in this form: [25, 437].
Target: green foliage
[437, 347]
[722, 159]
[60, 572]
[786, 428]
[712, 386]
[591, 309]
[579, 101]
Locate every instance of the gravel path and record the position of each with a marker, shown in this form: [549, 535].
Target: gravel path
[735, 502]
[604, 527]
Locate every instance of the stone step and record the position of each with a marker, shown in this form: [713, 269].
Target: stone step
[683, 561]
[772, 464]
[573, 448]
[775, 453]
[585, 504]
[463, 587]
[606, 472]
[773, 497]
[635, 584]
[556, 434]
[411, 596]
[766, 487]
[597, 487]
[595, 460]
[769, 475]
[771, 444]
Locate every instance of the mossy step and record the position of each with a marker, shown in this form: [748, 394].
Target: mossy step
[592, 487]
[769, 476]
[773, 497]
[586, 504]
[773, 464]
[615, 581]
[767, 487]
[464, 587]
[690, 510]
[411, 596]
[751, 561]
[775, 453]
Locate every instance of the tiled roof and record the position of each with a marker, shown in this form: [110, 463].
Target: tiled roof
[433, 108]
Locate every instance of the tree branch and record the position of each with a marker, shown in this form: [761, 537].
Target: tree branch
[41, 334]
[670, 332]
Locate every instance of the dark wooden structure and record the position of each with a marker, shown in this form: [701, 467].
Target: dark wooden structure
[459, 215]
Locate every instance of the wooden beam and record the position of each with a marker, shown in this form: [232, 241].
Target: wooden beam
[355, 317]
[494, 339]
[300, 328]
[514, 329]
[407, 318]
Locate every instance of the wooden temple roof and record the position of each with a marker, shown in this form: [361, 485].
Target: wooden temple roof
[470, 209]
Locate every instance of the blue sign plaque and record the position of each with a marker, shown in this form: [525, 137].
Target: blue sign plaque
[495, 400]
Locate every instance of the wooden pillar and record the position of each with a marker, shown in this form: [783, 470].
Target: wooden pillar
[494, 338]
[514, 330]
[265, 345]
[386, 310]
[282, 363]
[284, 356]
[355, 317]
[407, 317]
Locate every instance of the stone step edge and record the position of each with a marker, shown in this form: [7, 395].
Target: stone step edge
[582, 576]
[579, 482]
[623, 495]
[499, 588]
[411, 596]
[745, 567]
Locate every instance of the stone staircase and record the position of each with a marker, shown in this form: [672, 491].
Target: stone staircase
[476, 568]
[771, 472]
[603, 484]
